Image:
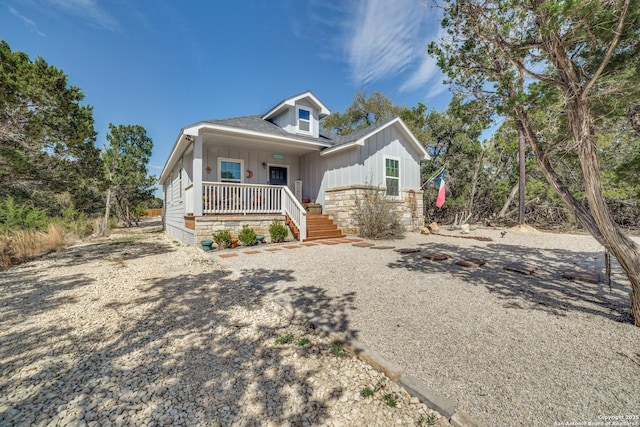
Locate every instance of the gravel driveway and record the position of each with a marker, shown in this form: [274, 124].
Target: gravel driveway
[510, 349]
[139, 330]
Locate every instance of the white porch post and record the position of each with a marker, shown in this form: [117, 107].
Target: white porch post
[197, 176]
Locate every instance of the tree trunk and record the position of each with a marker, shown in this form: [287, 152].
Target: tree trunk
[623, 248]
[580, 121]
[506, 205]
[474, 184]
[596, 219]
[107, 210]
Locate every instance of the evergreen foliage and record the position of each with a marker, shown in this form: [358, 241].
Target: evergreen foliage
[278, 232]
[248, 236]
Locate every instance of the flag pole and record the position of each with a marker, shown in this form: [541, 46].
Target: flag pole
[433, 176]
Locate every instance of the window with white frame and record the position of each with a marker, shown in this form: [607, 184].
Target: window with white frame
[230, 170]
[303, 118]
[392, 175]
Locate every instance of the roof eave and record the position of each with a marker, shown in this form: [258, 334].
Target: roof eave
[290, 102]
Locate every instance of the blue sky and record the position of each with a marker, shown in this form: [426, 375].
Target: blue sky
[166, 64]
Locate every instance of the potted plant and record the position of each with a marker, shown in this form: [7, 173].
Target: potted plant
[206, 244]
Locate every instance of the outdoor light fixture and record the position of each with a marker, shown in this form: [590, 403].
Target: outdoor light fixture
[264, 165]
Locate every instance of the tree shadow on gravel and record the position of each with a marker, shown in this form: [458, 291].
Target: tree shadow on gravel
[196, 356]
[313, 302]
[118, 249]
[543, 290]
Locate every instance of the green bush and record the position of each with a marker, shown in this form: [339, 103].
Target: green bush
[76, 222]
[248, 236]
[222, 238]
[278, 231]
[15, 216]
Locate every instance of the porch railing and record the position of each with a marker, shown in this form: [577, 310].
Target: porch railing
[298, 215]
[230, 198]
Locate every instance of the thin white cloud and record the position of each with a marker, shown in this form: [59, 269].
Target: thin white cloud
[427, 72]
[389, 40]
[28, 22]
[382, 42]
[89, 10]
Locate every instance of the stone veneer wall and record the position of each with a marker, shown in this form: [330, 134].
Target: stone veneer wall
[340, 204]
[207, 225]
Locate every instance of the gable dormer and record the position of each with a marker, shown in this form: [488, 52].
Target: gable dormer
[299, 115]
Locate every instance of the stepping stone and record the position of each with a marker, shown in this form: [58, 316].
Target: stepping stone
[519, 268]
[436, 256]
[273, 249]
[252, 252]
[381, 247]
[291, 246]
[583, 276]
[408, 250]
[362, 245]
[352, 240]
[227, 255]
[471, 262]
[467, 263]
[328, 242]
[309, 244]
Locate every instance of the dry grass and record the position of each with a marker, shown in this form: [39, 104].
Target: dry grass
[22, 246]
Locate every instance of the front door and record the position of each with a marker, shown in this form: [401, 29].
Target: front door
[277, 175]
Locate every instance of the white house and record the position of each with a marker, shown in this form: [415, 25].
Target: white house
[249, 170]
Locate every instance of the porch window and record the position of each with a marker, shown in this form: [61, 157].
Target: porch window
[392, 175]
[230, 170]
[304, 120]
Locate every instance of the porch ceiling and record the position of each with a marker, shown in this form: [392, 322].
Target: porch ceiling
[258, 142]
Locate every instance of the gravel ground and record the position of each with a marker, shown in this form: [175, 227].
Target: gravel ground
[139, 330]
[510, 349]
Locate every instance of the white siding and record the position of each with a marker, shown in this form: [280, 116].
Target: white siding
[361, 165]
[253, 161]
[174, 206]
[287, 120]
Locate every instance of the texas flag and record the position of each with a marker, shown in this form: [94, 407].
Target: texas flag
[439, 182]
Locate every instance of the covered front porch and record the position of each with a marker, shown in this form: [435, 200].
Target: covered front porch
[239, 200]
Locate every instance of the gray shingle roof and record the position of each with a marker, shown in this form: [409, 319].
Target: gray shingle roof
[257, 124]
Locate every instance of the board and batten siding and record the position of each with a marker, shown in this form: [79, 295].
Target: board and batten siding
[361, 165]
[253, 161]
[174, 206]
[287, 120]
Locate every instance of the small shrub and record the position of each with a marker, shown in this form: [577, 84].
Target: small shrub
[337, 349]
[278, 231]
[429, 420]
[376, 217]
[303, 341]
[366, 392]
[222, 238]
[285, 339]
[390, 399]
[248, 236]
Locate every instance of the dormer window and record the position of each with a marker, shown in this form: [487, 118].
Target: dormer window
[304, 120]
